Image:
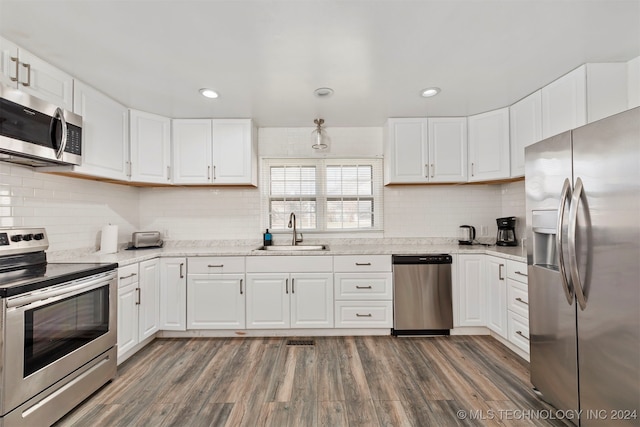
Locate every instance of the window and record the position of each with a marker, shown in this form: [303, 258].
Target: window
[325, 195]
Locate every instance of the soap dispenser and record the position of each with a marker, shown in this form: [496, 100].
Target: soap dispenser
[266, 238]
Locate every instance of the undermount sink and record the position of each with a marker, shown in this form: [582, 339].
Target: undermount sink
[284, 248]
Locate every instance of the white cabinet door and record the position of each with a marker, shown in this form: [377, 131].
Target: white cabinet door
[150, 147]
[127, 317]
[525, 122]
[496, 295]
[192, 151]
[40, 79]
[233, 152]
[268, 301]
[606, 90]
[149, 298]
[9, 63]
[105, 130]
[447, 149]
[173, 294]
[633, 83]
[471, 290]
[22, 70]
[215, 301]
[311, 300]
[564, 103]
[406, 151]
[489, 145]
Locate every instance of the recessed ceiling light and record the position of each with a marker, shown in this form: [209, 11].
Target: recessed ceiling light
[208, 93]
[323, 92]
[429, 92]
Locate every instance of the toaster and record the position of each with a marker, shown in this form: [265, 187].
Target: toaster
[146, 239]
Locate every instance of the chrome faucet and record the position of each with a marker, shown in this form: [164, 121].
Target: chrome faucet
[292, 223]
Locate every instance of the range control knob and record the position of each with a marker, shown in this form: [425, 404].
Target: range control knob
[27, 237]
[38, 236]
[16, 238]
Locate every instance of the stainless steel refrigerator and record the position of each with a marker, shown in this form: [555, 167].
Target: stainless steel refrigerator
[583, 227]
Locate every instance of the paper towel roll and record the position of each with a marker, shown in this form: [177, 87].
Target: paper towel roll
[109, 239]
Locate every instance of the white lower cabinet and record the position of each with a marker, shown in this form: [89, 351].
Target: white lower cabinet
[138, 305]
[216, 293]
[518, 304]
[363, 291]
[296, 300]
[471, 290]
[496, 295]
[173, 294]
[289, 292]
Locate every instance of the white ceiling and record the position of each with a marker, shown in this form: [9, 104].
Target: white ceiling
[266, 57]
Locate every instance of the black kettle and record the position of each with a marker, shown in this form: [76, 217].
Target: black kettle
[467, 235]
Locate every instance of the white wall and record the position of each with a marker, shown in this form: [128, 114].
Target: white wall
[72, 210]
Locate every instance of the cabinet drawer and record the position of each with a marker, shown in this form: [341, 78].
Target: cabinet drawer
[358, 263]
[364, 314]
[517, 270]
[127, 275]
[518, 298]
[368, 286]
[518, 327]
[212, 265]
[289, 264]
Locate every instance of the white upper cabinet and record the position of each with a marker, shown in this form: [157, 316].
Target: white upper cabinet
[606, 90]
[447, 149]
[234, 152]
[150, 139]
[525, 122]
[489, 145]
[419, 150]
[214, 152]
[105, 134]
[191, 151]
[564, 103]
[22, 70]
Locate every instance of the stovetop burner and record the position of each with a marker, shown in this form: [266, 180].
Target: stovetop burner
[24, 267]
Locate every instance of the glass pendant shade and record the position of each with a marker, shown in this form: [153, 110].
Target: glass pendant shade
[319, 137]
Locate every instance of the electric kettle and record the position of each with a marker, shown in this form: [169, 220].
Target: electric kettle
[466, 235]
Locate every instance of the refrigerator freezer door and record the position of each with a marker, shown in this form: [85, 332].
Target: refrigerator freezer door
[552, 319]
[607, 160]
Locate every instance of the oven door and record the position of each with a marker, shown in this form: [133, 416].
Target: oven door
[52, 332]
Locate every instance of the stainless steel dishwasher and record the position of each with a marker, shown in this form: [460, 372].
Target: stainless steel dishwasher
[422, 302]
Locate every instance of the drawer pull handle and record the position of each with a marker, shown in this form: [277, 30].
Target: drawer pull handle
[363, 263]
[363, 287]
[126, 277]
[521, 273]
[522, 301]
[522, 335]
[363, 315]
[215, 265]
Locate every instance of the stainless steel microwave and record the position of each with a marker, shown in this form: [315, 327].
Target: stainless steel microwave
[37, 133]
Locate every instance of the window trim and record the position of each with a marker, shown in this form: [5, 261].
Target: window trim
[321, 195]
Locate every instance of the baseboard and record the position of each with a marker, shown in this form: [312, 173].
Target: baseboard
[274, 333]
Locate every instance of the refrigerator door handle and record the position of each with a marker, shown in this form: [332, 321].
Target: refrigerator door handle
[573, 258]
[567, 287]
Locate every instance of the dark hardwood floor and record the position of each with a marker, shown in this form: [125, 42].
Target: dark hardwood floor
[338, 381]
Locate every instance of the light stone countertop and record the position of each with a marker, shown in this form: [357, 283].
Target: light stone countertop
[242, 248]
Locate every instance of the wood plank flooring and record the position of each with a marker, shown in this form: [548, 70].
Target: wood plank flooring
[339, 381]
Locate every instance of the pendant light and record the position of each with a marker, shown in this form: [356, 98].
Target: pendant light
[319, 137]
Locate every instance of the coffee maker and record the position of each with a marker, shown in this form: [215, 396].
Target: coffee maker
[506, 231]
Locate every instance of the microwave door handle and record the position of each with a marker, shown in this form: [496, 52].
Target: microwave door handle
[567, 287]
[59, 114]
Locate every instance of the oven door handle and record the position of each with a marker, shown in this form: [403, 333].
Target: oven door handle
[65, 290]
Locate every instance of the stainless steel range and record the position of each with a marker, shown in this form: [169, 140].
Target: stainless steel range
[58, 323]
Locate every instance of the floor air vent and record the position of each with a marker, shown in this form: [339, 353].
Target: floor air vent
[300, 342]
